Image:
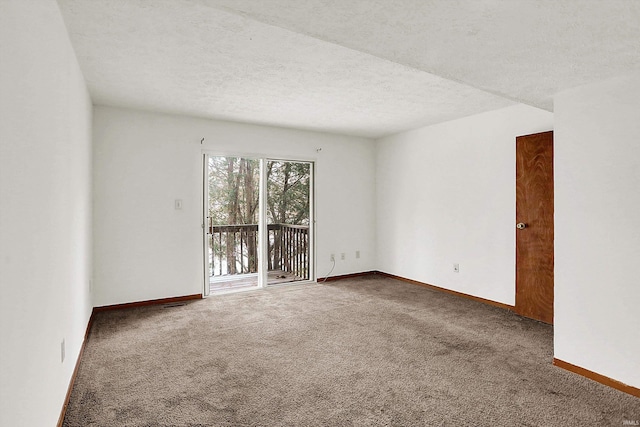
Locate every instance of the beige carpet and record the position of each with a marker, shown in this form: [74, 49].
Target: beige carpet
[370, 351]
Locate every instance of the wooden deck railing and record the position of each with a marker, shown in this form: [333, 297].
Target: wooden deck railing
[234, 249]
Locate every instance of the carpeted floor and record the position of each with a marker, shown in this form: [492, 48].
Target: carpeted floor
[370, 351]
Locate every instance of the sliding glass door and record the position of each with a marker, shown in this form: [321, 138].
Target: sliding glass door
[258, 222]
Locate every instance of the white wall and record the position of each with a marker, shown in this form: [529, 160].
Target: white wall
[45, 211]
[446, 194]
[145, 249]
[597, 238]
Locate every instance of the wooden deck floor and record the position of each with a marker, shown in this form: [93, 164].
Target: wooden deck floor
[238, 281]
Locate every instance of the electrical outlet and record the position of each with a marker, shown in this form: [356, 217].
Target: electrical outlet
[333, 258]
[343, 256]
[62, 351]
[357, 254]
[456, 268]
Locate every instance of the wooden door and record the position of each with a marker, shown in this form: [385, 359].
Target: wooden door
[534, 226]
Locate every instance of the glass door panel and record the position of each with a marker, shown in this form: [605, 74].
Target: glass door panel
[232, 199]
[288, 216]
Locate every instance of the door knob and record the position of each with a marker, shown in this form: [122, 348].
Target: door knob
[521, 226]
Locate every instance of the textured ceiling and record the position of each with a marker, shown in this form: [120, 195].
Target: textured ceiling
[526, 50]
[360, 67]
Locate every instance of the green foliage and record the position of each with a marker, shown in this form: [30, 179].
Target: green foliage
[234, 191]
[288, 192]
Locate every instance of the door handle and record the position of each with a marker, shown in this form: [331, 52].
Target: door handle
[521, 226]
